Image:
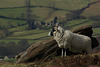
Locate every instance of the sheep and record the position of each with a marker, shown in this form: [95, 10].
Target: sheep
[74, 42]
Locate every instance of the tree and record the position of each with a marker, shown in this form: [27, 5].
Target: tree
[23, 44]
[22, 16]
[55, 20]
[11, 44]
[10, 25]
[6, 32]
[43, 23]
[29, 20]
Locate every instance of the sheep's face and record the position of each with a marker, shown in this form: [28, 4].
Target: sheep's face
[53, 31]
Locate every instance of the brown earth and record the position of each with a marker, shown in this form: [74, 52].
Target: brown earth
[92, 60]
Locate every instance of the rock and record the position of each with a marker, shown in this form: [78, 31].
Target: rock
[95, 42]
[39, 51]
[18, 56]
[87, 30]
[48, 49]
[84, 30]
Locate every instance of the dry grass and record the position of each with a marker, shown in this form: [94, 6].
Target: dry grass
[93, 10]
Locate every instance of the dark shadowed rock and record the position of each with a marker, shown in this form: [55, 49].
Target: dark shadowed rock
[84, 30]
[95, 42]
[39, 51]
[87, 30]
[48, 49]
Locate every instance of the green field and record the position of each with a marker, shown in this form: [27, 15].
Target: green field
[61, 4]
[41, 14]
[37, 31]
[19, 28]
[6, 23]
[9, 40]
[11, 3]
[49, 3]
[44, 10]
[96, 31]
[80, 22]
[41, 9]
[15, 12]
[32, 36]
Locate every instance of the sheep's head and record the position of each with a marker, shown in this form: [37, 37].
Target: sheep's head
[55, 30]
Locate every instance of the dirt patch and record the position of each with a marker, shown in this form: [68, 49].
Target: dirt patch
[92, 60]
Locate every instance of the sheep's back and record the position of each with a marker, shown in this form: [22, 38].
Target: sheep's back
[81, 41]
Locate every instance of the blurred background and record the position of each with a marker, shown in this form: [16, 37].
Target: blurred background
[24, 22]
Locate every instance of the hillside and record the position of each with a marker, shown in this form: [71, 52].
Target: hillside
[80, 60]
[93, 10]
[44, 10]
[70, 14]
[41, 9]
[45, 3]
[73, 61]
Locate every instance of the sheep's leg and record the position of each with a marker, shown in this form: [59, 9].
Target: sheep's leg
[62, 53]
[65, 53]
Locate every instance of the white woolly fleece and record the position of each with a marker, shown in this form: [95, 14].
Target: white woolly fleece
[72, 41]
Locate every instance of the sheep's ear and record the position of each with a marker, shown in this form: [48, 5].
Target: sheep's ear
[60, 29]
